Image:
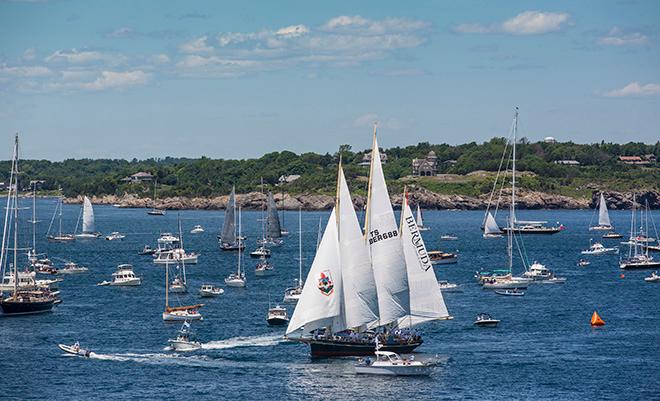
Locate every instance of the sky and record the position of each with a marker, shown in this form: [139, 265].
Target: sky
[237, 79]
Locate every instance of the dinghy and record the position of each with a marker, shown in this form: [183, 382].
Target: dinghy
[75, 350]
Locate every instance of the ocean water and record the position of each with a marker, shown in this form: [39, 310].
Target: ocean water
[544, 347]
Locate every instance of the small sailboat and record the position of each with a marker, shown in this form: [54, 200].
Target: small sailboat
[238, 278]
[277, 316]
[178, 313]
[292, 295]
[273, 226]
[59, 236]
[75, 349]
[596, 320]
[420, 222]
[88, 226]
[485, 320]
[209, 290]
[123, 276]
[198, 229]
[604, 223]
[183, 341]
[491, 229]
[154, 210]
[228, 240]
[392, 364]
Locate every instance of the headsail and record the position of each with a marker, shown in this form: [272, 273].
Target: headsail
[360, 297]
[603, 215]
[426, 302]
[382, 236]
[321, 298]
[491, 226]
[273, 229]
[88, 217]
[228, 235]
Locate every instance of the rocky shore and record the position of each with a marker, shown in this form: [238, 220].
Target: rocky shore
[427, 199]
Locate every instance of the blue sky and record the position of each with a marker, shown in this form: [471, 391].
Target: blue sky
[226, 79]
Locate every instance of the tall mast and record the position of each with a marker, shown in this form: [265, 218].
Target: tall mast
[300, 263]
[34, 217]
[183, 263]
[371, 171]
[263, 216]
[167, 284]
[60, 215]
[6, 227]
[16, 218]
[240, 240]
[512, 207]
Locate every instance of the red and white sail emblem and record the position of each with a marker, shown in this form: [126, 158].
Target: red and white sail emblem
[326, 285]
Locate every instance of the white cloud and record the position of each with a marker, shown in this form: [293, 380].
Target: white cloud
[196, 46]
[122, 32]
[159, 59]
[635, 89]
[25, 71]
[102, 81]
[616, 37]
[292, 31]
[75, 56]
[525, 23]
[29, 54]
[387, 25]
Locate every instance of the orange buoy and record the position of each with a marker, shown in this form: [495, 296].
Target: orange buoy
[622, 275]
[596, 320]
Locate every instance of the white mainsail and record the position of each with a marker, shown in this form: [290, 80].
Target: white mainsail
[491, 226]
[420, 222]
[321, 298]
[426, 302]
[359, 285]
[88, 217]
[603, 215]
[382, 236]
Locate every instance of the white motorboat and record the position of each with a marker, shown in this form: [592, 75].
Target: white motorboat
[277, 316]
[27, 281]
[448, 237]
[178, 286]
[75, 349]
[263, 268]
[261, 252]
[511, 293]
[72, 268]
[485, 320]
[539, 273]
[115, 236]
[597, 248]
[178, 255]
[147, 250]
[506, 283]
[583, 262]
[612, 235]
[446, 286]
[653, 278]
[124, 276]
[209, 290]
[183, 341]
[292, 295]
[392, 364]
[197, 229]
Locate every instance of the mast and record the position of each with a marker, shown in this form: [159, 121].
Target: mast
[34, 217]
[6, 227]
[167, 284]
[371, 173]
[513, 168]
[263, 215]
[240, 241]
[183, 254]
[60, 215]
[300, 263]
[16, 218]
[155, 184]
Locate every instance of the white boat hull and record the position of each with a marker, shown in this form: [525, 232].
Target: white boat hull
[235, 283]
[69, 349]
[177, 316]
[398, 370]
[185, 346]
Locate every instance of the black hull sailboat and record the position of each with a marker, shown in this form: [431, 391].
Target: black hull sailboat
[532, 230]
[320, 348]
[26, 305]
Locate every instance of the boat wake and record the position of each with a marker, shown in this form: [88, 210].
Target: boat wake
[255, 341]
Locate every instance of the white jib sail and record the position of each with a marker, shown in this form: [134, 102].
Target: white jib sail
[88, 217]
[426, 302]
[603, 215]
[359, 285]
[382, 237]
[491, 226]
[321, 298]
[420, 223]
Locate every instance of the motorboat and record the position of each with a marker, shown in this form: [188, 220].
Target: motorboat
[75, 349]
[448, 237]
[390, 363]
[270, 241]
[510, 293]
[236, 280]
[653, 278]
[539, 273]
[485, 320]
[261, 252]
[115, 236]
[124, 276]
[72, 268]
[183, 341]
[612, 235]
[46, 269]
[446, 286]
[442, 258]
[177, 255]
[147, 250]
[292, 295]
[209, 290]
[263, 268]
[61, 238]
[597, 248]
[156, 212]
[277, 316]
[197, 229]
[583, 262]
[178, 286]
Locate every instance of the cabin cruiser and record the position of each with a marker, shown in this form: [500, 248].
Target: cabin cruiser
[183, 341]
[115, 236]
[507, 282]
[26, 281]
[446, 286]
[209, 290]
[75, 349]
[392, 364]
[197, 229]
[485, 320]
[533, 227]
[178, 255]
[653, 278]
[263, 268]
[599, 249]
[442, 258]
[261, 252]
[538, 272]
[277, 316]
[124, 276]
[72, 268]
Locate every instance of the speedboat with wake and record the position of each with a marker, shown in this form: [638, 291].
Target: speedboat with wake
[390, 363]
[183, 341]
[75, 349]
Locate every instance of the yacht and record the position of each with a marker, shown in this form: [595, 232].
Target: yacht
[183, 341]
[88, 227]
[507, 282]
[485, 320]
[392, 364]
[124, 276]
[178, 255]
[72, 268]
[263, 268]
[115, 236]
[653, 278]
[237, 279]
[277, 316]
[197, 229]
[59, 236]
[638, 256]
[261, 252]
[538, 272]
[442, 258]
[209, 290]
[27, 281]
[597, 248]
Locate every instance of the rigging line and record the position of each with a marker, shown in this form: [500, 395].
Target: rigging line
[492, 192]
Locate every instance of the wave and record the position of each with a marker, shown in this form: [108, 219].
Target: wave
[254, 341]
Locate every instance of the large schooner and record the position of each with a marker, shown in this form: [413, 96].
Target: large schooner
[367, 287]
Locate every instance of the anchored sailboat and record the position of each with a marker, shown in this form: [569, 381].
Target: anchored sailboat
[420, 222]
[154, 210]
[238, 279]
[178, 313]
[273, 227]
[293, 294]
[603, 216]
[228, 240]
[88, 227]
[59, 237]
[638, 255]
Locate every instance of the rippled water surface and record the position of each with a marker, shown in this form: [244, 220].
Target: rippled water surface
[543, 349]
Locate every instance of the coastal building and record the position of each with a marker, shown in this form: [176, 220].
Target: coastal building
[366, 159]
[138, 177]
[287, 179]
[567, 162]
[426, 167]
[638, 160]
